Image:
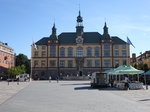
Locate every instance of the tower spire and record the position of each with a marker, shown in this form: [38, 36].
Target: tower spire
[105, 28]
[53, 36]
[54, 29]
[79, 27]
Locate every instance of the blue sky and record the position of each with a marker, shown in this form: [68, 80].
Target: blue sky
[24, 20]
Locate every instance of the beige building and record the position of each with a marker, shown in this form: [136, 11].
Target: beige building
[77, 53]
[143, 58]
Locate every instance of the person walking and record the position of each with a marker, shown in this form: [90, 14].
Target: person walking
[57, 79]
[126, 83]
[50, 79]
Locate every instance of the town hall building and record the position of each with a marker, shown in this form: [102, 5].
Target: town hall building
[78, 53]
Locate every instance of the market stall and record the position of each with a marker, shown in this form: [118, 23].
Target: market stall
[128, 71]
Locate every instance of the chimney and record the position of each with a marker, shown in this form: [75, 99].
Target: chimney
[133, 55]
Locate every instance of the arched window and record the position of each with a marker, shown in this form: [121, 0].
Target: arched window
[79, 52]
[97, 52]
[70, 52]
[89, 51]
[62, 52]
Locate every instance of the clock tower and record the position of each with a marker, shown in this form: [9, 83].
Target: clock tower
[79, 29]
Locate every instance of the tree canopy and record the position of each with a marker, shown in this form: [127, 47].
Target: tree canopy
[22, 59]
[16, 70]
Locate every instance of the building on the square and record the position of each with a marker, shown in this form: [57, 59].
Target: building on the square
[78, 53]
[143, 58]
[6, 57]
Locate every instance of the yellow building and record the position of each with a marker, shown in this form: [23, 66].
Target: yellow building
[141, 59]
[78, 53]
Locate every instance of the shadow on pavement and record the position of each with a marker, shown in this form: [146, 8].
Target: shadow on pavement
[145, 100]
[111, 89]
[85, 88]
[76, 84]
[98, 88]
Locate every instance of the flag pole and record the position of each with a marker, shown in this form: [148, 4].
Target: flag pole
[31, 62]
[31, 65]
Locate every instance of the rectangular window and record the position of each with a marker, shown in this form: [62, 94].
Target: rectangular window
[116, 46]
[89, 52]
[89, 63]
[62, 52]
[52, 51]
[124, 62]
[106, 63]
[70, 63]
[106, 53]
[62, 63]
[97, 52]
[116, 53]
[124, 53]
[106, 46]
[36, 53]
[43, 47]
[43, 54]
[36, 63]
[124, 47]
[97, 63]
[116, 63]
[52, 63]
[43, 63]
[70, 52]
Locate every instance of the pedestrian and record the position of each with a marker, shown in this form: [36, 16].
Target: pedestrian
[50, 79]
[126, 83]
[57, 79]
[112, 83]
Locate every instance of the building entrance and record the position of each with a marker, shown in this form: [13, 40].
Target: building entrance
[79, 65]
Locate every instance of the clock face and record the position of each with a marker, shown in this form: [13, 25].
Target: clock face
[79, 40]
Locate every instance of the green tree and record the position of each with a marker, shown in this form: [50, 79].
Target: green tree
[135, 66]
[22, 59]
[145, 67]
[17, 70]
[140, 66]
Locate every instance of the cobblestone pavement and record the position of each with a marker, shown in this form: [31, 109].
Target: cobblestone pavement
[69, 96]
